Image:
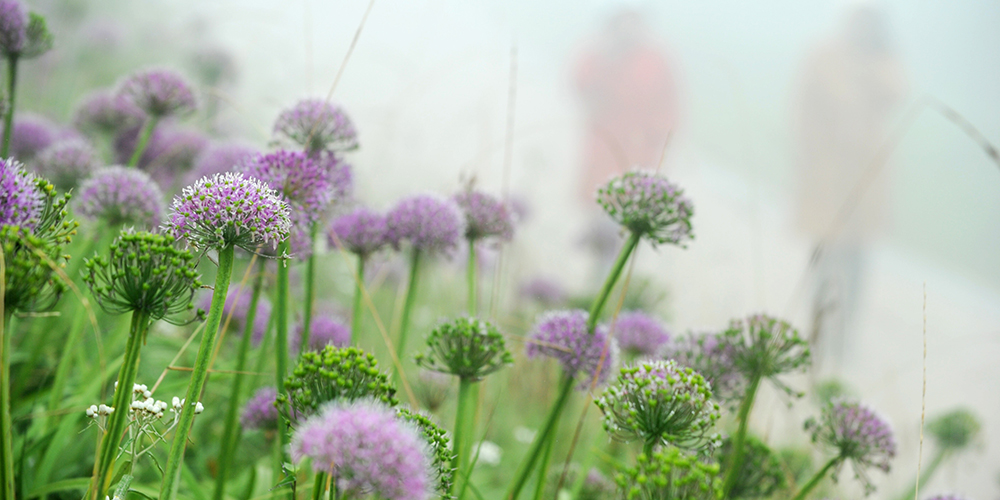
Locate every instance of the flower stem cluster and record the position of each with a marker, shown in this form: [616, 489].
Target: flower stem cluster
[670, 474]
[468, 348]
[333, 374]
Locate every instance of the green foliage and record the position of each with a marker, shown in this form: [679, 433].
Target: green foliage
[468, 348]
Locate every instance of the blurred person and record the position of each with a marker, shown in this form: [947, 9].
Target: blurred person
[851, 86]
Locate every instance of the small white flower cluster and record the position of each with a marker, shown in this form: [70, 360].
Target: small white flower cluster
[99, 411]
[178, 405]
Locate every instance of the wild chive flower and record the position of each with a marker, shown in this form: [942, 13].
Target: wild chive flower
[437, 442]
[660, 403]
[712, 355]
[563, 335]
[260, 412]
[361, 231]
[237, 308]
[66, 163]
[317, 125]
[13, 27]
[158, 92]
[304, 183]
[325, 330]
[121, 196]
[856, 433]
[429, 223]
[368, 450]
[229, 209]
[766, 347]
[669, 474]
[468, 348]
[219, 158]
[485, 216]
[640, 335]
[954, 430]
[104, 113]
[762, 473]
[647, 204]
[334, 374]
[145, 273]
[30, 135]
[20, 201]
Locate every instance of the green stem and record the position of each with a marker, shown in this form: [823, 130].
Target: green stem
[464, 428]
[144, 135]
[230, 435]
[309, 292]
[68, 349]
[6, 424]
[609, 284]
[118, 421]
[926, 475]
[524, 471]
[411, 293]
[8, 119]
[471, 277]
[801, 495]
[359, 281]
[647, 447]
[319, 486]
[736, 458]
[172, 472]
[280, 341]
[543, 469]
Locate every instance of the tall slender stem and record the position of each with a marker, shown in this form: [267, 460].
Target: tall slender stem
[543, 469]
[8, 119]
[609, 283]
[281, 341]
[926, 475]
[68, 349]
[144, 135]
[6, 424]
[464, 429]
[801, 495]
[471, 277]
[319, 486]
[736, 458]
[524, 471]
[172, 472]
[359, 281]
[230, 434]
[310, 290]
[411, 294]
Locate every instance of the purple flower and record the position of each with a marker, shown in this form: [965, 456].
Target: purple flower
[119, 195]
[260, 412]
[13, 26]
[237, 307]
[341, 176]
[304, 183]
[317, 126]
[229, 209]
[648, 204]
[325, 330]
[563, 335]
[361, 231]
[368, 450]
[170, 151]
[544, 290]
[103, 112]
[65, 163]
[31, 134]
[429, 223]
[20, 201]
[218, 158]
[640, 335]
[158, 92]
[713, 356]
[856, 432]
[485, 216]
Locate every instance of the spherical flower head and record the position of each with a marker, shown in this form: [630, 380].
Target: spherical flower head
[563, 335]
[13, 26]
[955, 430]
[146, 273]
[31, 134]
[485, 216]
[468, 348]
[640, 335]
[158, 92]
[436, 440]
[317, 126]
[301, 181]
[857, 433]
[229, 209]
[118, 195]
[361, 231]
[220, 158]
[659, 403]
[237, 307]
[762, 473]
[260, 412]
[332, 374]
[368, 450]
[669, 473]
[766, 347]
[429, 223]
[66, 163]
[104, 113]
[20, 202]
[647, 204]
[711, 355]
[323, 331]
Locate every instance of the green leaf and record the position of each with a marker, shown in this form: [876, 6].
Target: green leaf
[78, 483]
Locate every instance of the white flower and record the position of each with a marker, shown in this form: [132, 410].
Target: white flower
[198, 408]
[92, 411]
[178, 403]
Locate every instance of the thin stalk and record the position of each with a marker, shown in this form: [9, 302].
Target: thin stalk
[925, 476]
[411, 293]
[310, 290]
[280, 342]
[172, 472]
[231, 432]
[144, 135]
[471, 277]
[359, 281]
[543, 470]
[8, 119]
[464, 429]
[609, 284]
[319, 486]
[68, 348]
[6, 424]
[736, 459]
[118, 421]
[524, 471]
[801, 495]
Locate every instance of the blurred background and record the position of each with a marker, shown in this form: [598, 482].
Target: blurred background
[829, 188]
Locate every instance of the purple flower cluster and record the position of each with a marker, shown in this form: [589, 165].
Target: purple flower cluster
[649, 205]
[563, 335]
[31, 134]
[304, 183]
[65, 163]
[159, 92]
[857, 433]
[317, 125]
[544, 290]
[325, 330]
[713, 356]
[260, 412]
[119, 195]
[361, 231]
[20, 202]
[220, 158]
[640, 335]
[237, 307]
[485, 216]
[103, 112]
[429, 223]
[229, 209]
[368, 450]
[13, 26]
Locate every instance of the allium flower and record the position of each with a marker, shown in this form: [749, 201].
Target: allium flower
[341, 176]
[13, 26]
[317, 125]
[368, 450]
[762, 473]
[361, 231]
[485, 216]
[260, 412]
[711, 355]
[119, 195]
[103, 112]
[31, 134]
[237, 307]
[220, 158]
[545, 291]
[325, 330]
[765, 347]
[170, 150]
[158, 92]
[304, 183]
[65, 163]
[563, 335]
[437, 442]
[660, 403]
[857, 433]
[229, 209]
[954, 430]
[669, 474]
[332, 374]
[468, 348]
[639, 334]
[648, 204]
[20, 202]
[429, 223]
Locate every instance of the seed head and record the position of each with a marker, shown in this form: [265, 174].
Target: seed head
[468, 348]
[647, 204]
[333, 374]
